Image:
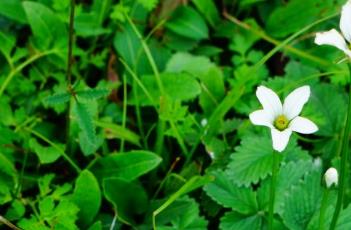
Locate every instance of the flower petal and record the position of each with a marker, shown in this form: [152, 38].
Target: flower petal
[261, 117]
[332, 38]
[270, 101]
[280, 139]
[294, 102]
[345, 21]
[303, 125]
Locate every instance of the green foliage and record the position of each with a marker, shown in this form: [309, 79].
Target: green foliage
[152, 128]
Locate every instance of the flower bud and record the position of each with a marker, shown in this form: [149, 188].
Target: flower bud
[331, 177]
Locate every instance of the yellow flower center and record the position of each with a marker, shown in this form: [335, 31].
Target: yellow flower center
[281, 122]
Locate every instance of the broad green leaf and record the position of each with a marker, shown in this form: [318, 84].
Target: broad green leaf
[185, 21]
[236, 221]
[209, 10]
[296, 14]
[46, 155]
[13, 9]
[112, 131]
[178, 86]
[85, 121]
[127, 166]
[91, 94]
[87, 196]
[226, 193]
[57, 99]
[46, 27]
[302, 201]
[126, 197]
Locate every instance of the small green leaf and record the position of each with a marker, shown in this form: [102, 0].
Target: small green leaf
[87, 196]
[57, 99]
[187, 22]
[127, 166]
[46, 155]
[91, 94]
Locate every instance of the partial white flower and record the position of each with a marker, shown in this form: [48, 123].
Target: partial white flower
[284, 118]
[204, 122]
[333, 37]
[331, 177]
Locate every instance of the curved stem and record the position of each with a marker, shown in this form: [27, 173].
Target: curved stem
[343, 162]
[272, 190]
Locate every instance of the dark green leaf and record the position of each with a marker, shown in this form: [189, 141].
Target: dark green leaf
[127, 166]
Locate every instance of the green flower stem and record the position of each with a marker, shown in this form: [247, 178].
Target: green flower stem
[323, 208]
[272, 190]
[343, 162]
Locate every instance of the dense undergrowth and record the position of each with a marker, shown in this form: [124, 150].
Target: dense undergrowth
[151, 130]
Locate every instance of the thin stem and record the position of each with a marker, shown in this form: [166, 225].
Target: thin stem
[70, 44]
[8, 223]
[283, 44]
[124, 113]
[323, 208]
[61, 151]
[344, 157]
[272, 190]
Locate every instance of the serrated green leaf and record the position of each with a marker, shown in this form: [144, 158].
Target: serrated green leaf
[148, 4]
[236, 221]
[302, 201]
[230, 195]
[127, 166]
[58, 99]
[85, 121]
[253, 159]
[87, 196]
[91, 94]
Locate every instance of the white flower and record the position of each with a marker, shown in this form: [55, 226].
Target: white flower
[333, 37]
[282, 119]
[331, 177]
